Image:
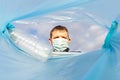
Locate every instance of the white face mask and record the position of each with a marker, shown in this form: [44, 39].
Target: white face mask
[60, 45]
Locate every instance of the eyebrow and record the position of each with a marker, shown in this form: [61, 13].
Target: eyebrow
[65, 37]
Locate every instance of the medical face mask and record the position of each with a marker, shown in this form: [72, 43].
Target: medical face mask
[60, 45]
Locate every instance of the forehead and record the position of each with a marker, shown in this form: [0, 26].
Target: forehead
[60, 32]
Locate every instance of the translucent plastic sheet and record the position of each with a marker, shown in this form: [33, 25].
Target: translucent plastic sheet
[81, 26]
[99, 59]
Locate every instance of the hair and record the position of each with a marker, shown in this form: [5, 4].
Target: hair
[59, 27]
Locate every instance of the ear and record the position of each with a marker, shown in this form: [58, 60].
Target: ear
[50, 40]
[69, 40]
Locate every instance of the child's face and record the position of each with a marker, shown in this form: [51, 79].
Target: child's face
[59, 34]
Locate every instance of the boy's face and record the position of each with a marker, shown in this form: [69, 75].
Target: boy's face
[59, 34]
